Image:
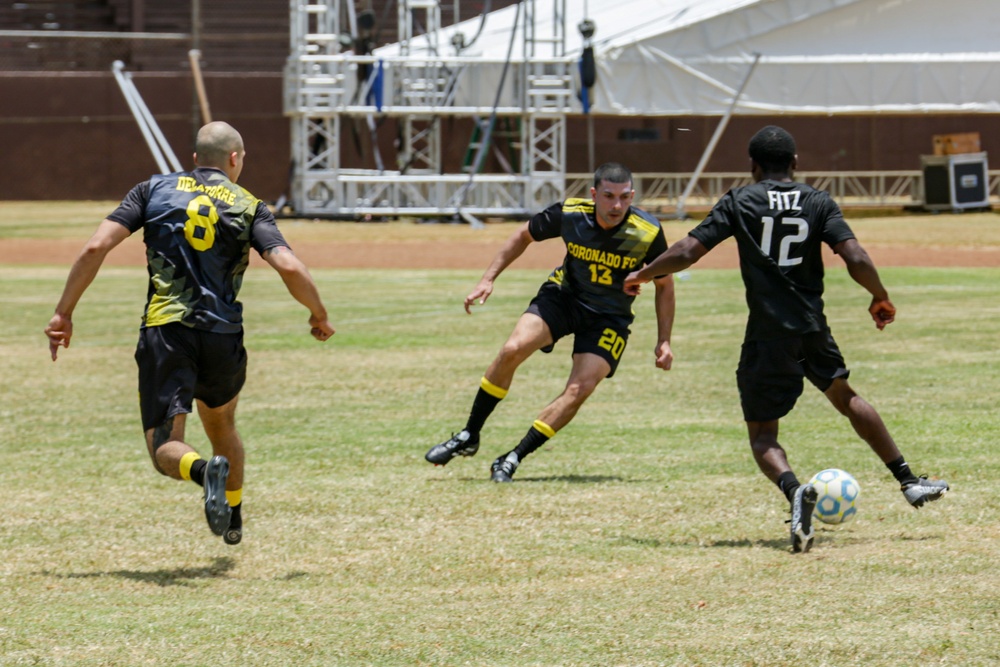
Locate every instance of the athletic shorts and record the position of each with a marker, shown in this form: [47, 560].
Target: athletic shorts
[770, 373]
[178, 364]
[596, 333]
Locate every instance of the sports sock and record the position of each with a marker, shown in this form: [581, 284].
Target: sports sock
[487, 398]
[236, 518]
[900, 469]
[788, 482]
[537, 435]
[193, 468]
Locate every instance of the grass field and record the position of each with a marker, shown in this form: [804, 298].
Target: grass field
[642, 534]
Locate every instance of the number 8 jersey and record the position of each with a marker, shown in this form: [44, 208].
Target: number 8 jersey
[198, 228]
[779, 227]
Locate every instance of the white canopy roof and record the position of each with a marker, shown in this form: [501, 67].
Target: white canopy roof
[690, 57]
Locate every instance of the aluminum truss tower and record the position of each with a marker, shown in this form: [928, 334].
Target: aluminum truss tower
[328, 86]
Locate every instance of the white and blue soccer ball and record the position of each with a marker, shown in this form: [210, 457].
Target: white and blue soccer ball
[838, 493]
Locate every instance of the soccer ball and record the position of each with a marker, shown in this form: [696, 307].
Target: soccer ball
[838, 495]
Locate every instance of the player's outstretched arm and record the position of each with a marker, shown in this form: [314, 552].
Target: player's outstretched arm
[302, 288]
[862, 270]
[512, 248]
[60, 328]
[677, 257]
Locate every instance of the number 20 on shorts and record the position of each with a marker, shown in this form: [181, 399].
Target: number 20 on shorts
[612, 342]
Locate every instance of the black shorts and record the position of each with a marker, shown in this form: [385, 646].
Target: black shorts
[596, 333]
[770, 373]
[178, 364]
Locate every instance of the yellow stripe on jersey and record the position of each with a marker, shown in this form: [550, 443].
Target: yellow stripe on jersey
[641, 223]
[186, 462]
[578, 206]
[492, 389]
[544, 428]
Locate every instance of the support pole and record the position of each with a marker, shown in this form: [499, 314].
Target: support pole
[194, 56]
[681, 211]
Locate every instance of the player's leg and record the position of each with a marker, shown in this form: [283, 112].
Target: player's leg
[773, 462]
[769, 378]
[825, 368]
[597, 349]
[533, 332]
[220, 427]
[221, 376]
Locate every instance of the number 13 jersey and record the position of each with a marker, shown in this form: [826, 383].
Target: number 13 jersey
[198, 228]
[597, 259]
[779, 227]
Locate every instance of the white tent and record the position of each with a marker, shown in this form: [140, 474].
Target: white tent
[690, 57]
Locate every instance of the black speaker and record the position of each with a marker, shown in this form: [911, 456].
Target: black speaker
[956, 182]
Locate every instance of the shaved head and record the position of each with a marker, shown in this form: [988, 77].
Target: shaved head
[215, 143]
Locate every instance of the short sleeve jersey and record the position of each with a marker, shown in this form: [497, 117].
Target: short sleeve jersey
[597, 259]
[779, 227]
[198, 228]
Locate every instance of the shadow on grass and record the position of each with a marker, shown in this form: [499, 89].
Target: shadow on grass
[181, 576]
[570, 479]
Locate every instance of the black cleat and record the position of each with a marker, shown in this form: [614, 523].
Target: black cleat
[462, 443]
[503, 469]
[924, 490]
[217, 510]
[233, 535]
[802, 531]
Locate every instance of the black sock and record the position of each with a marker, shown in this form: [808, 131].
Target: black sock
[198, 472]
[236, 519]
[533, 439]
[900, 469]
[482, 406]
[788, 482]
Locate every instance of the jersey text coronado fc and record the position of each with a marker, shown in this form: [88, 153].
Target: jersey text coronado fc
[597, 259]
[779, 228]
[198, 228]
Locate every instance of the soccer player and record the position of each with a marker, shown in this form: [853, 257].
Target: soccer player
[198, 227]
[779, 226]
[605, 237]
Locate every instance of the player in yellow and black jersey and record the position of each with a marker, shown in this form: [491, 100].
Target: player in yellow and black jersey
[606, 238]
[198, 227]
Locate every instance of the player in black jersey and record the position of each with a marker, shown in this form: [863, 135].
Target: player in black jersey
[198, 227]
[606, 238]
[779, 226]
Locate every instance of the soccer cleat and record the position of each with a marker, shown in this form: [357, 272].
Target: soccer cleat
[924, 490]
[503, 469]
[802, 532]
[462, 443]
[217, 510]
[232, 535]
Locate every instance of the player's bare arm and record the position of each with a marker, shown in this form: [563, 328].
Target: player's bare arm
[862, 270]
[512, 248]
[678, 257]
[60, 328]
[302, 288]
[665, 309]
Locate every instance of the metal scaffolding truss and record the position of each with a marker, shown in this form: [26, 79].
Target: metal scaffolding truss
[328, 86]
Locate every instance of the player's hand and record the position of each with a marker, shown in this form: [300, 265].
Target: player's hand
[633, 284]
[664, 355]
[321, 330]
[481, 293]
[59, 331]
[883, 312]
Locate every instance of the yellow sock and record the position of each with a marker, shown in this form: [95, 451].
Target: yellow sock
[234, 498]
[186, 462]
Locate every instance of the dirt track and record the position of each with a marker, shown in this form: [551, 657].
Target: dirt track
[459, 254]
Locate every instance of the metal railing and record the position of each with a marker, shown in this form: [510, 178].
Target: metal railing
[660, 192]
